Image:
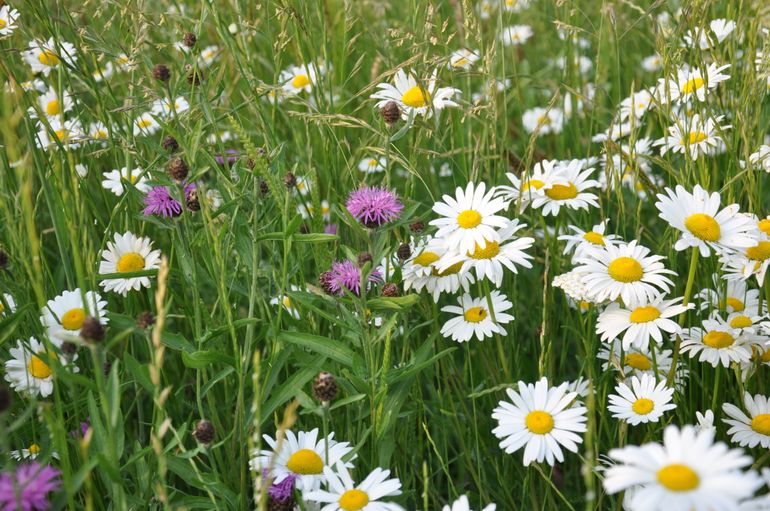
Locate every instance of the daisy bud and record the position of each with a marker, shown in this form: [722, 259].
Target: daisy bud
[189, 39]
[161, 72]
[390, 112]
[145, 320]
[390, 290]
[204, 432]
[3, 259]
[417, 226]
[363, 258]
[325, 388]
[290, 180]
[404, 251]
[177, 169]
[5, 398]
[170, 144]
[92, 330]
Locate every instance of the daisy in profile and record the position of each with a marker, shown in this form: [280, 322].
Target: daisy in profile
[116, 180]
[642, 401]
[372, 165]
[581, 240]
[30, 453]
[415, 98]
[625, 271]
[103, 71]
[705, 421]
[296, 79]
[694, 137]
[515, 35]
[615, 131]
[636, 105]
[98, 132]
[8, 19]
[641, 322]
[688, 472]
[542, 420]
[462, 504]
[703, 225]
[572, 194]
[475, 318]
[28, 370]
[543, 120]
[146, 125]
[716, 343]
[287, 303]
[753, 429]
[301, 456]
[7, 304]
[164, 107]
[343, 494]
[760, 159]
[523, 190]
[490, 260]
[128, 253]
[421, 271]
[515, 5]
[692, 83]
[638, 362]
[51, 105]
[736, 297]
[64, 315]
[45, 56]
[463, 59]
[469, 218]
[720, 29]
[748, 262]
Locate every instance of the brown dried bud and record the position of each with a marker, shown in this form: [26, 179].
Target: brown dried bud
[6, 399]
[204, 432]
[325, 280]
[170, 144]
[417, 226]
[161, 72]
[189, 39]
[145, 320]
[290, 180]
[390, 290]
[325, 388]
[177, 169]
[263, 188]
[4, 259]
[92, 330]
[68, 348]
[363, 258]
[404, 251]
[391, 113]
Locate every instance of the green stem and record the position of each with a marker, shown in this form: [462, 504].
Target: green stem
[685, 301]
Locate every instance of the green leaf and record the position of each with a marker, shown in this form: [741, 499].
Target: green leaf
[335, 350]
[396, 303]
[289, 388]
[201, 359]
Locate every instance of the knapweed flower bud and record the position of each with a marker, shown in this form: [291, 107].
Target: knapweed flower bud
[170, 144]
[391, 113]
[189, 39]
[92, 330]
[325, 388]
[290, 180]
[417, 226]
[264, 189]
[177, 169]
[390, 290]
[363, 258]
[161, 72]
[204, 432]
[404, 251]
[145, 320]
[325, 281]
[191, 197]
[194, 76]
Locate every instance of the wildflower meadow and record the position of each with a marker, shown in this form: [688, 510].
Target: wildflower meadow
[385, 255]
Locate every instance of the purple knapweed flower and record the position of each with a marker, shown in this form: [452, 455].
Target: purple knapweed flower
[374, 206]
[282, 491]
[345, 274]
[27, 489]
[330, 229]
[159, 201]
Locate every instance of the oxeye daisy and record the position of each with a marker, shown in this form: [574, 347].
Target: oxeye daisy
[652, 64]
[615, 131]
[29, 368]
[420, 271]
[694, 137]
[526, 188]
[469, 219]
[64, 315]
[44, 56]
[98, 131]
[735, 297]
[543, 120]
[208, 56]
[103, 71]
[463, 59]
[372, 165]
[716, 343]
[692, 83]
[625, 271]
[541, 419]
[296, 79]
[30, 453]
[116, 180]
[373, 206]
[572, 194]
[146, 125]
[705, 421]
[636, 105]
[640, 322]
[515, 35]
[475, 317]
[415, 98]
[752, 429]
[51, 105]
[700, 38]
[59, 133]
[582, 240]
[688, 472]
[760, 160]
[287, 303]
[28, 487]
[462, 504]
[703, 225]
[164, 107]
[128, 253]
[302, 456]
[342, 494]
[8, 19]
[637, 362]
[641, 400]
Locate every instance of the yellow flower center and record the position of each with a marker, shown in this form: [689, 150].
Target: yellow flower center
[761, 424]
[765, 356]
[543, 119]
[39, 369]
[642, 406]
[61, 135]
[644, 314]
[144, 123]
[703, 227]
[304, 462]
[469, 219]
[475, 315]
[300, 81]
[462, 61]
[692, 85]
[48, 58]
[594, 237]
[734, 303]
[2, 308]
[678, 477]
[455, 268]
[286, 302]
[490, 250]
[34, 449]
[562, 192]
[2, 23]
[415, 97]
[637, 361]
[426, 258]
[718, 340]
[534, 183]
[100, 134]
[741, 322]
[694, 137]
[373, 162]
[73, 319]
[759, 252]
[52, 108]
[539, 422]
[353, 500]
[764, 225]
[130, 261]
[625, 269]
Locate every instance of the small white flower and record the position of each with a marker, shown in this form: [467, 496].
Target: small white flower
[642, 401]
[474, 317]
[116, 180]
[128, 253]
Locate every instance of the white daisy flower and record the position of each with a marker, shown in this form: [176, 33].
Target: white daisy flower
[128, 254]
[692, 83]
[413, 98]
[51, 105]
[462, 504]
[702, 39]
[640, 323]
[642, 401]
[735, 298]
[582, 240]
[540, 419]
[146, 124]
[64, 315]
[705, 421]
[702, 224]
[164, 107]
[29, 368]
[652, 64]
[208, 56]
[625, 271]
[342, 494]
[716, 343]
[544, 120]
[116, 180]
[753, 429]
[485, 8]
[125, 62]
[463, 59]
[469, 219]
[287, 303]
[688, 472]
[637, 362]
[760, 160]
[372, 165]
[34, 85]
[615, 131]
[572, 194]
[7, 304]
[543, 176]
[636, 105]
[103, 72]
[8, 19]
[302, 456]
[421, 271]
[296, 79]
[44, 56]
[694, 137]
[476, 318]
[515, 5]
[515, 35]
[303, 185]
[67, 133]
[30, 453]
